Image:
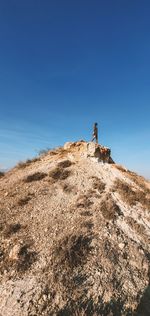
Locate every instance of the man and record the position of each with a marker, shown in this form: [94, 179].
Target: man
[95, 133]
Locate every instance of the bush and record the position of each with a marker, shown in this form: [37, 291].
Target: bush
[65, 164]
[130, 196]
[109, 209]
[35, 177]
[11, 229]
[2, 174]
[24, 164]
[24, 201]
[98, 184]
[59, 174]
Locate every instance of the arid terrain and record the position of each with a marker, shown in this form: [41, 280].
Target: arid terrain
[75, 235]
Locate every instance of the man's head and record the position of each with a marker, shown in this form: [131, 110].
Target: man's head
[95, 124]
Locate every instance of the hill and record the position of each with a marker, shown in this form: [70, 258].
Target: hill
[75, 231]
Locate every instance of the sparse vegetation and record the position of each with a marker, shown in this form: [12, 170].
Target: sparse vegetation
[45, 151]
[26, 258]
[11, 229]
[23, 201]
[86, 213]
[139, 228]
[2, 174]
[28, 162]
[98, 184]
[109, 208]
[64, 164]
[83, 202]
[139, 181]
[88, 224]
[67, 188]
[37, 176]
[73, 250]
[130, 196]
[119, 167]
[64, 249]
[59, 174]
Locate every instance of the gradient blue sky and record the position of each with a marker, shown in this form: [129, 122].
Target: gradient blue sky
[65, 64]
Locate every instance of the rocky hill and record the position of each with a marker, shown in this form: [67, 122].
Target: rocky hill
[75, 231]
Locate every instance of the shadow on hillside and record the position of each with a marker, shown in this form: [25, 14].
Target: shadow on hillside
[112, 308]
[143, 308]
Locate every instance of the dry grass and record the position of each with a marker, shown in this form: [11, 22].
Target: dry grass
[64, 164]
[109, 208]
[88, 224]
[21, 262]
[23, 201]
[26, 258]
[139, 181]
[2, 174]
[139, 228]
[130, 196]
[72, 251]
[120, 168]
[59, 174]
[98, 184]
[11, 229]
[28, 162]
[67, 188]
[37, 176]
[83, 201]
[86, 213]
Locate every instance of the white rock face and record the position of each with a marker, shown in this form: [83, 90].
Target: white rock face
[90, 150]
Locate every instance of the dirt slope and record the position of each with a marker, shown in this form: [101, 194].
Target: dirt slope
[74, 237]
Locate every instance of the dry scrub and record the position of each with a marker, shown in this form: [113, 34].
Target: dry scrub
[11, 229]
[98, 184]
[59, 174]
[28, 162]
[18, 260]
[35, 177]
[2, 174]
[67, 188]
[109, 208]
[24, 201]
[130, 196]
[64, 164]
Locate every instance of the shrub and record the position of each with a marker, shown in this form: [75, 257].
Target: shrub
[26, 258]
[67, 188]
[11, 229]
[2, 174]
[35, 177]
[59, 174]
[98, 184]
[24, 201]
[44, 151]
[73, 250]
[109, 209]
[24, 164]
[65, 164]
[130, 196]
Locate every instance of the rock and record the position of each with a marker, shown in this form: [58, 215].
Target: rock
[14, 253]
[121, 245]
[67, 145]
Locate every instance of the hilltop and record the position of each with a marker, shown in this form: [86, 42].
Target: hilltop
[75, 230]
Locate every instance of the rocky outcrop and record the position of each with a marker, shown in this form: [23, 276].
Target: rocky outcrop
[90, 150]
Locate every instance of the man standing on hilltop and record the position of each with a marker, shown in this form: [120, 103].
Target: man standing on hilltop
[95, 133]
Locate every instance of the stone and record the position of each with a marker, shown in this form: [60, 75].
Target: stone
[14, 253]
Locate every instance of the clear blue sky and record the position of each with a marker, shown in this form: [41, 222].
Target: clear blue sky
[66, 64]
